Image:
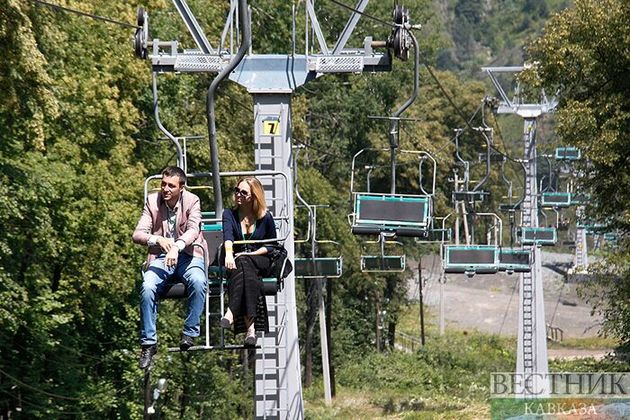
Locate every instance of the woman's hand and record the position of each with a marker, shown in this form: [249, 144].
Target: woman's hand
[229, 261]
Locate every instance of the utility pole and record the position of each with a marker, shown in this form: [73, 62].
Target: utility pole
[420, 301]
[531, 361]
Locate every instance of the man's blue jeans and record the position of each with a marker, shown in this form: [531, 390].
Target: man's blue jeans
[189, 270]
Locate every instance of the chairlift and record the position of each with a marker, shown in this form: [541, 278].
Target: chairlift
[567, 153]
[392, 214]
[314, 267]
[556, 199]
[383, 263]
[514, 260]
[476, 194]
[539, 236]
[395, 214]
[212, 230]
[471, 259]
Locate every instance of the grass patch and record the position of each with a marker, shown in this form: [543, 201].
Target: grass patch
[589, 343]
[448, 378]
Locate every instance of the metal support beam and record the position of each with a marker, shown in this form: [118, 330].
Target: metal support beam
[193, 27]
[278, 374]
[531, 358]
[318, 30]
[352, 23]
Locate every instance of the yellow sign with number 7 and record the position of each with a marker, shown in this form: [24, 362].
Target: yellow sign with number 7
[271, 126]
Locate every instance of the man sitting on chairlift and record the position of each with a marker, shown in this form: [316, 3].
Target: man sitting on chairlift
[170, 227]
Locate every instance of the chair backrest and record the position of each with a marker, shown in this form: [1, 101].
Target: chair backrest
[392, 209]
[471, 258]
[538, 236]
[213, 234]
[318, 267]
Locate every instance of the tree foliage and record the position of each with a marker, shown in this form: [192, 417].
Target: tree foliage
[584, 52]
[78, 139]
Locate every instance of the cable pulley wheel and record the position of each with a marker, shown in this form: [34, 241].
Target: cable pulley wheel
[399, 40]
[140, 16]
[401, 44]
[138, 44]
[399, 14]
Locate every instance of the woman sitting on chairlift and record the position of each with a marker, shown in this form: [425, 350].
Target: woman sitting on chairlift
[248, 220]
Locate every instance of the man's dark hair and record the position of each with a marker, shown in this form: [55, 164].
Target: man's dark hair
[175, 171]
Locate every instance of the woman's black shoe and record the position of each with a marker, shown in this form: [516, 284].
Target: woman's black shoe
[186, 342]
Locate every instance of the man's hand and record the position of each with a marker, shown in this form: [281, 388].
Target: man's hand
[166, 243]
[171, 257]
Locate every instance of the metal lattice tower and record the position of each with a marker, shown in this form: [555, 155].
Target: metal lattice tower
[580, 261]
[531, 362]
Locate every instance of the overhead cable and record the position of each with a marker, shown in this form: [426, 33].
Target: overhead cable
[80, 13]
[384, 22]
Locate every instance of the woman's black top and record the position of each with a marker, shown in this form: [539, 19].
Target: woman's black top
[265, 229]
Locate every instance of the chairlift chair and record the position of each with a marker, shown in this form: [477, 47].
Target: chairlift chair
[212, 230]
[567, 153]
[383, 263]
[514, 260]
[539, 236]
[474, 259]
[392, 214]
[555, 199]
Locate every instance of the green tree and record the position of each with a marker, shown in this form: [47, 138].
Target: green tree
[585, 53]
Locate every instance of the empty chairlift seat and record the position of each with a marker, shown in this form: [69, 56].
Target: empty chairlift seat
[568, 153]
[318, 267]
[513, 260]
[471, 259]
[383, 263]
[400, 215]
[539, 236]
[556, 199]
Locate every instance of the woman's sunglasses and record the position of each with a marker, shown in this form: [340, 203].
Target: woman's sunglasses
[242, 193]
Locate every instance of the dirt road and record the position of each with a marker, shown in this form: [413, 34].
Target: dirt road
[490, 302]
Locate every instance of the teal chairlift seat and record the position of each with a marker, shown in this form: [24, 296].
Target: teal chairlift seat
[393, 214]
[556, 199]
[474, 259]
[383, 263]
[398, 215]
[329, 267]
[471, 259]
[539, 236]
[513, 260]
[568, 153]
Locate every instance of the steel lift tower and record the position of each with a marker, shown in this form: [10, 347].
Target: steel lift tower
[531, 360]
[271, 79]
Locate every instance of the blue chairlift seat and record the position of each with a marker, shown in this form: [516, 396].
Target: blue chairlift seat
[539, 236]
[383, 263]
[471, 259]
[513, 260]
[318, 267]
[568, 153]
[400, 215]
[556, 199]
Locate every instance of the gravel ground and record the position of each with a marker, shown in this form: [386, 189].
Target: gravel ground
[490, 302]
